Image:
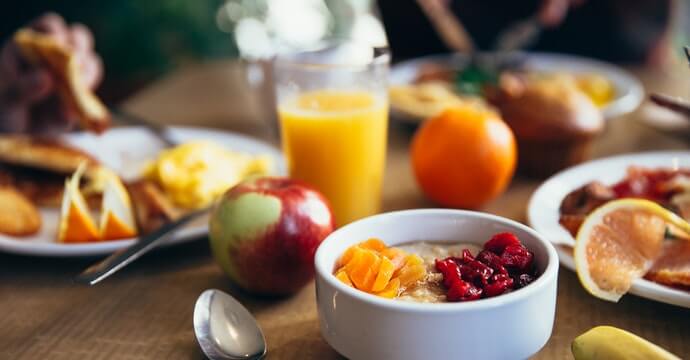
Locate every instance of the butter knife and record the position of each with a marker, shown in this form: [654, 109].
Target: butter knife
[121, 258]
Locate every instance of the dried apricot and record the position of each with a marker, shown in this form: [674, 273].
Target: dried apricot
[372, 267]
[391, 290]
[384, 276]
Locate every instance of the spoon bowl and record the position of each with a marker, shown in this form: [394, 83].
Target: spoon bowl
[225, 329]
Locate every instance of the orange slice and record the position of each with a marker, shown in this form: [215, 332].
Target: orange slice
[76, 224]
[115, 228]
[618, 243]
[117, 217]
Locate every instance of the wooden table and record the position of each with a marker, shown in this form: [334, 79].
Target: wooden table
[145, 312]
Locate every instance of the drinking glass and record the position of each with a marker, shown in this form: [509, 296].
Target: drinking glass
[333, 114]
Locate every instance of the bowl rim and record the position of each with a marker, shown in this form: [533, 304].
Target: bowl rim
[549, 274]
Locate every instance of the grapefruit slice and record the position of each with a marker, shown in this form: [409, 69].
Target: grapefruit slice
[117, 218]
[618, 243]
[76, 224]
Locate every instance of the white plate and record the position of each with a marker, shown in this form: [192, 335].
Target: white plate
[629, 90]
[125, 150]
[542, 211]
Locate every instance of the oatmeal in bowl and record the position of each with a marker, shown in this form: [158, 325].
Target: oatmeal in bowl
[436, 272]
[406, 284]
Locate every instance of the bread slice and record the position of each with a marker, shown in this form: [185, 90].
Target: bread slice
[18, 216]
[43, 188]
[43, 50]
[45, 154]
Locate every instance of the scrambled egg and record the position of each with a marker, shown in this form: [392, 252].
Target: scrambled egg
[194, 174]
[597, 87]
[600, 89]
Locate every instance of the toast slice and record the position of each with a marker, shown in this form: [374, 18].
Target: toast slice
[18, 216]
[45, 154]
[43, 188]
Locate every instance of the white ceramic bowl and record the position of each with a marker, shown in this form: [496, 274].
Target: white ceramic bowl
[363, 326]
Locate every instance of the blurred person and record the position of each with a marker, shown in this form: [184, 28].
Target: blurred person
[624, 31]
[29, 101]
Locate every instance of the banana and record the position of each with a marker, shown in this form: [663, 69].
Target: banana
[610, 343]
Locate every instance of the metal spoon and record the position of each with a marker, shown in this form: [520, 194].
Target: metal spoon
[225, 329]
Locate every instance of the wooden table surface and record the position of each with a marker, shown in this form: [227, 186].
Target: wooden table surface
[145, 312]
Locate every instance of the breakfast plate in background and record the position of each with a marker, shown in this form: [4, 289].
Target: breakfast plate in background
[665, 121]
[126, 150]
[543, 209]
[628, 91]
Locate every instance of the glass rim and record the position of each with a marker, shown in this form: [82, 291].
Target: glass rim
[381, 57]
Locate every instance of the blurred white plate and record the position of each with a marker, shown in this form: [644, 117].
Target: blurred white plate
[543, 209]
[125, 150]
[629, 90]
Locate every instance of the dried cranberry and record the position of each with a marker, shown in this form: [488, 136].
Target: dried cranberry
[504, 264]
[450, 271]
[457, 291]
[492, 260]
[463, 291]
[517, 259]
[476, 272]
[467, 256]
[442, 265]
[473, 293]
[500, 241]
[523, 280]
[498, 284]
[464, 258]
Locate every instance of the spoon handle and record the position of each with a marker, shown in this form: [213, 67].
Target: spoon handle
[121, 258]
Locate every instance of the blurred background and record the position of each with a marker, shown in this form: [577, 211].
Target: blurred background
[141, 40]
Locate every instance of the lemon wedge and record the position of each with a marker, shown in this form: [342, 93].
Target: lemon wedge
[618, 243]
[610, 343]
[76, 224]
[117, 218]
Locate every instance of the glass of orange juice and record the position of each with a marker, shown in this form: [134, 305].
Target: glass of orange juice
[333, 113]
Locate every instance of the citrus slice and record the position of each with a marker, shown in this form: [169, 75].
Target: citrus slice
[618, 243]
[117, 218]
[76, 224]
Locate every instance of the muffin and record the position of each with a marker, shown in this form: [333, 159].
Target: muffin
[553, 120]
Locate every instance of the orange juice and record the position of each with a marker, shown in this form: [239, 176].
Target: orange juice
[335, 140]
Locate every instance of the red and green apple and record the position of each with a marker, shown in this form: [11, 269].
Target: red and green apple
[264, 233]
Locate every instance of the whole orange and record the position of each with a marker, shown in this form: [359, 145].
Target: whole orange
[464, 157]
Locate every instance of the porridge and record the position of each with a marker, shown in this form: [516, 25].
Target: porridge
[436, 272]
[430, 288]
